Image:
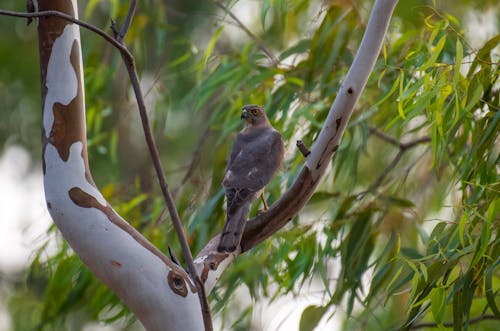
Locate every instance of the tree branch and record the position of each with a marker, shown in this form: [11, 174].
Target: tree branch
[195, 158]
[174, 215]
[127, 21]
[155, 157]
[403, 147]
[150, 284]
[303, 148]
[279, 214]
[88, 26]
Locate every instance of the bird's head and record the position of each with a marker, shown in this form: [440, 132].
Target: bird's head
[253, 115]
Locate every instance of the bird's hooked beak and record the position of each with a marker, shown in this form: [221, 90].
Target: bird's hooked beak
[244, 114]
[247, 119]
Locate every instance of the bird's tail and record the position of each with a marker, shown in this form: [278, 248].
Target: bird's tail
[233, 229]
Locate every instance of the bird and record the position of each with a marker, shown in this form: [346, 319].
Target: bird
[256, 156]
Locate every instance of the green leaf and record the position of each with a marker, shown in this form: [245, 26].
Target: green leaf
[345, 206]
[458, 62]
[483, 54]
[458, 312]
[438, 300]
[490, 293]
[210, 48]
[399, 202]
[311, 317]
[266, 5]
[180, 60]
[461, 229]
[321, 196]
[300, 47]
[389, 288]
[493, 211]
[436, 51]
[472, 102]
[423, 271]
[89, 9]
[400, 100]
[391, 91]
[484, 239]
[296, 81]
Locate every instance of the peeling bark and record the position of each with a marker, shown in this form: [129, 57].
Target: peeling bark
[159, 292]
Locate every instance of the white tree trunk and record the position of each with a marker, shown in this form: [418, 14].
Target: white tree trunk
[158, 291]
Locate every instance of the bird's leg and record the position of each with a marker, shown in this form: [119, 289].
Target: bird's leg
[263, 198]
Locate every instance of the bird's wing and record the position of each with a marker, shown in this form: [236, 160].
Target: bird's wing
[254, 161]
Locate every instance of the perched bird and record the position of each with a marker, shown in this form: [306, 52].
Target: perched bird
[255, 158]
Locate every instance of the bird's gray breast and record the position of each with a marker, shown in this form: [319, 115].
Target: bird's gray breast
[249, 164]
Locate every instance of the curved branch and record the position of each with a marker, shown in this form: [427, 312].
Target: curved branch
[127, 22]
[167, 196]
[160, 174]
[158, 291]
[266, 224]
[211, 264]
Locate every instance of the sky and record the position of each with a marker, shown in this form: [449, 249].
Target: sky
[24, 216]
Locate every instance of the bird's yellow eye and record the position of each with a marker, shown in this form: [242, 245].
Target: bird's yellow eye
[255, 112]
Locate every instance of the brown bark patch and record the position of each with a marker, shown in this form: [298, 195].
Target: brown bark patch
[212, 262]
[115, 263]
[83, 199]
[177, 283]
[69, 120]
[58, 131]
[338, 121]
[49, 29]
[325, 155]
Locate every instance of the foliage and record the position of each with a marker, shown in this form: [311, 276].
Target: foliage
[403, 230]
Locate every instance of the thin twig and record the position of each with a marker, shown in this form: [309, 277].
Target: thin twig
[413, 143]
[131, 69]
[403, 147]
[127, 21]
[88, 26]
[382, 135]
[393, 141]
[155, 157]
[450, 324]
[242, 26]
[386, 171]
[303, 148]
[193, 163]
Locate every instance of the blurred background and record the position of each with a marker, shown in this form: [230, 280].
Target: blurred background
[380, 221]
